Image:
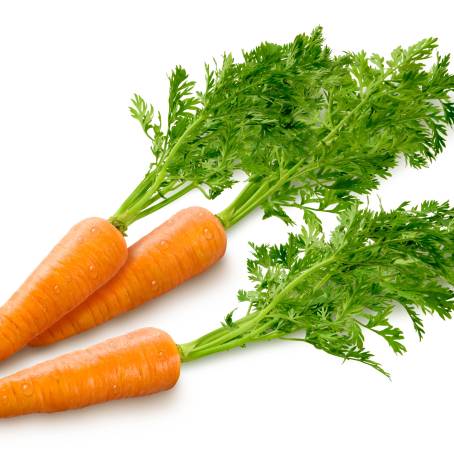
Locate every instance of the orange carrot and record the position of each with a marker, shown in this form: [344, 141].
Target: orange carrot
[89, 255]
[143, 362]
[187, 244]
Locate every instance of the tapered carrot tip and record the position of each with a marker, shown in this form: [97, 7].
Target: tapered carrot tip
[187, 244]
[89, 255]
[143, 362]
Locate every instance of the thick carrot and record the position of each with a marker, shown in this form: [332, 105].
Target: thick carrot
[187, 244]
[89, 255]
[143, 362]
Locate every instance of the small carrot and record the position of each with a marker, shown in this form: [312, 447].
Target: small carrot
[187, 244]
[143, 362]
[89, 255]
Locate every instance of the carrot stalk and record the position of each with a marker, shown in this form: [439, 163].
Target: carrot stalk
[187, 244]
[90, 254]
[143, 362]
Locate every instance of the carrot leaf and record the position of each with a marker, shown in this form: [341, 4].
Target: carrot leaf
[328, 293]
[244, 104]
[353, 123]
[309, 130]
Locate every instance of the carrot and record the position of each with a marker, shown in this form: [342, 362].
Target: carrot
[86, 258]
[143, 362]
[187, 244]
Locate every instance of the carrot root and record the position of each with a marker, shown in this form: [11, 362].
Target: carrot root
[143, 362]
[89, 255]
[187, 244]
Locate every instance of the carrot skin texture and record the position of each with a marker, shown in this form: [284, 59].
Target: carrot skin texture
[90, 254]
[143, 362]
[187, 244]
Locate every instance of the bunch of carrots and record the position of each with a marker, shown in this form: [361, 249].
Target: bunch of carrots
[310, 131]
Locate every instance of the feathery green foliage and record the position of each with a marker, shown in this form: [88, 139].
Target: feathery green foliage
[353, 122]
[330, 292]
[309, 129]
[208, 133]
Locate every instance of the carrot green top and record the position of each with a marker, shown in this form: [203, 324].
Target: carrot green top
[331, 291]
[309, 129]
[353, 125]
[207, 132]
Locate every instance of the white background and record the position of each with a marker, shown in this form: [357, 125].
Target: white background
[68, 150]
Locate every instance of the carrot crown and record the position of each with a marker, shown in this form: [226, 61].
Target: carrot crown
[207, 133]
[310, 130]
[355, 121]
[332, 291]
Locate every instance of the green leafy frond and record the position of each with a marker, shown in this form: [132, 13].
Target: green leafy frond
[331, 291]
[142, 112]
[309, 129]
[355, 116]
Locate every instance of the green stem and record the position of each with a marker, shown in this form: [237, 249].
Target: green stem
[117, 221]
[254, 194]
[188, 356]
[164, 190]
[175, 196]
[136, 193]
[139, 199]
[215, 334]
[226, 338]
[226, 214]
